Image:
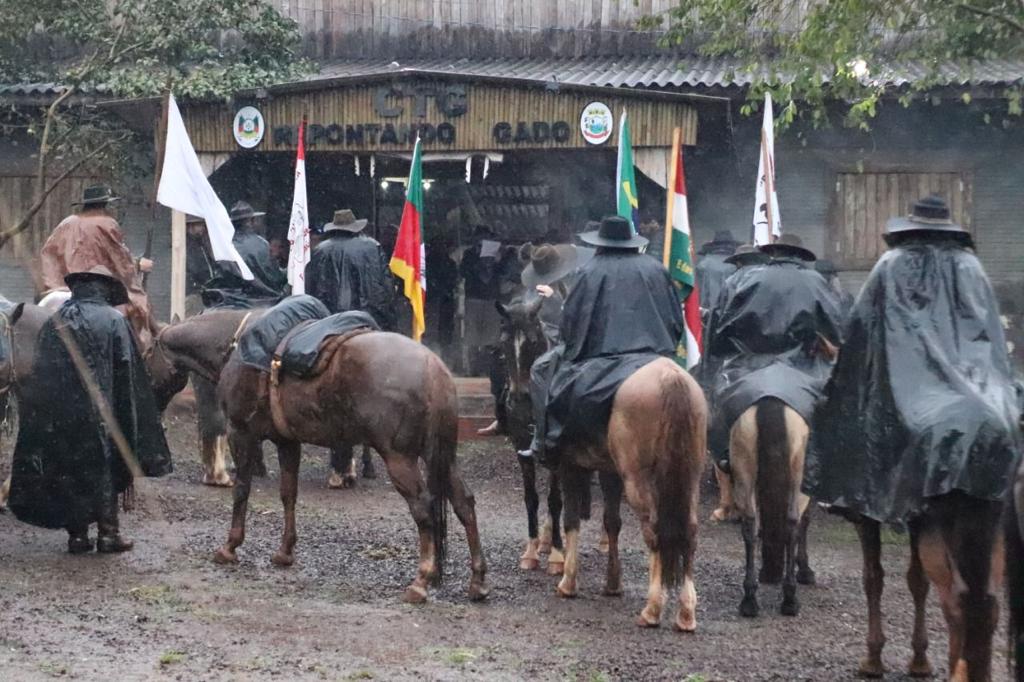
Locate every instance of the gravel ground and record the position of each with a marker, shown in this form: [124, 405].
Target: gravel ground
[165, 611]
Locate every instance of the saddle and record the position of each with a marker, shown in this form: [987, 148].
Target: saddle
[307, 350]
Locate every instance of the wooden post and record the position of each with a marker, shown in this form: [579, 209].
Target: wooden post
[177, 265]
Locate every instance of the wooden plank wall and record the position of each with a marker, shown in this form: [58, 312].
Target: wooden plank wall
[16, 197]
[867, 200]
[394, 28]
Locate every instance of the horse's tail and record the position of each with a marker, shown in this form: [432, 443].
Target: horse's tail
[773, 486]
[677, 474]
[1012, 527]
[442, 441]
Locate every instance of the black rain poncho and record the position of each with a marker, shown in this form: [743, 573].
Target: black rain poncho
[255, 251]
[922, 399]
[260, 339]
[764, 340]
[66, 467]
[622, 313]
[348, 272]
[711, 273]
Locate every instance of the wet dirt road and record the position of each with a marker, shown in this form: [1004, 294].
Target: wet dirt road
[165, 611]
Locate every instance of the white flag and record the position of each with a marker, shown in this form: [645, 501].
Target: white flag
[298, 226]
[184, 187]
[767, 222]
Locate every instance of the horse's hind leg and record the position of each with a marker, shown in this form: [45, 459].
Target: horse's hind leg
[804, 573]
[530, 560]
[245, 448]
[917, 582]
[975, 538]
[874, 581]
[343, 467]
[406, 477]
[743, 462]
[576, 483]
[556, 559]
[288, 455]
[611, 488]
[797, 433]
[464, 505]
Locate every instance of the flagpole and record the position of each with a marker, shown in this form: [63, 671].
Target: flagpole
[677, 135]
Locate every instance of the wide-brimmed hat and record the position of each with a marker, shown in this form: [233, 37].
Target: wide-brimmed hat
[101, 273]
[615, 232]
[96, 195]
[747, 255]
[242, 210]
[547, 263]
[928, 214]
[788, 246]
[345, 221]
[722, 240]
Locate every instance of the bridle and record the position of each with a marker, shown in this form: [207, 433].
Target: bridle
[204, 372]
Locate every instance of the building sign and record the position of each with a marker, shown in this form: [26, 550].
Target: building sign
[389, 113]
[248, 127]
[596, 123]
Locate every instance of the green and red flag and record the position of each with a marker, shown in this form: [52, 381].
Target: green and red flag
[409, 261]
[679, 255]
[626, 203]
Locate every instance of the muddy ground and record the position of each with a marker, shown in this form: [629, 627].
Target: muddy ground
[165, 611]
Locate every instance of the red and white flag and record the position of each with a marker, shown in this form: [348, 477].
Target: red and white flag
[767, 222]
[298, 226]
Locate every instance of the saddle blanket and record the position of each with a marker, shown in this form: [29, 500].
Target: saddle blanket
[302, 347]
[260, 340]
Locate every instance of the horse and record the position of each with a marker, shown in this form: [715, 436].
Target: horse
[1013, 533]
[522, 343]
[406, 409]
[767, 444]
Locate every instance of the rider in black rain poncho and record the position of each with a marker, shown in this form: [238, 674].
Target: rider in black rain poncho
[769, 336]
[922, 401]
[68, 469]
[622, 314]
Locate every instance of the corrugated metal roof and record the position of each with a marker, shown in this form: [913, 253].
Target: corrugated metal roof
[652, 71]
[31, 89]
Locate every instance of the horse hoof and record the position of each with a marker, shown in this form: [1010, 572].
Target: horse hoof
[723, 515]
[749, 607]
[349, 481]
[687, 624]
[335, 481]
[806, 577]
[920, 668]
[789, 607]
[529, 564]
[282, 560]
[414, 594]
[218, 481]
[611, 591]
[870, 669]
[225, 556]
[478, 591]
[565, 590]
[544, 547]
[646, 620]
[602, 546]
[556, 567]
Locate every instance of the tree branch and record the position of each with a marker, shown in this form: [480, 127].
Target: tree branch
[44, 149]
[1002, 18]
[26, 220]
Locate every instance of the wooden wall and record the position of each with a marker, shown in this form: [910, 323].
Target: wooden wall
[16, 197]
[395, 28]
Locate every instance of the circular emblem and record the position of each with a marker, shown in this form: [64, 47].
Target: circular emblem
[596, 123]
[248, 127]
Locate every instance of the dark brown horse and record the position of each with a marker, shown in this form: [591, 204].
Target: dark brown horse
[522, 343]
[1014, 536]
[653, 451]
[373, 388]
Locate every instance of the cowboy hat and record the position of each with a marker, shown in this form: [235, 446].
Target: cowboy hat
[96, 195]
[345, 221]
[103, 274]
[788, 246]
[722, 240]
[546, 263]
[242, 210]
[615, 232]
[747, 255]
[928, 214]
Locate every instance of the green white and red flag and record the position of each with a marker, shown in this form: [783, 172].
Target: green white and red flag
[409, 259]
[679, 257]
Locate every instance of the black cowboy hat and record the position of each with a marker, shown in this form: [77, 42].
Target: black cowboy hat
[99, 273]
[546, 263]
[96, 195]
[723, 239]
[928, 214]
[788, 246]
[242, 210]
[615, 232]
[747, 255]
[345, 221]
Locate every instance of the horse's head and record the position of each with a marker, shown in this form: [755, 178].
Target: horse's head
[522, 340]
[167, 376]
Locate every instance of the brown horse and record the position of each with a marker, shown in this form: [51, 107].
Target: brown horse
[654, 452]
[1013, 529]
[767, 444]
[522, 343]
